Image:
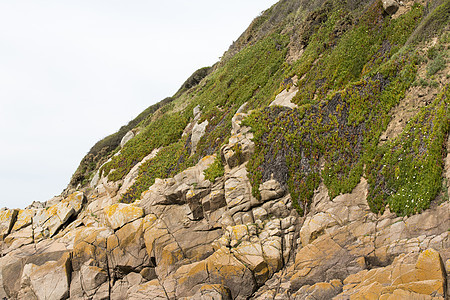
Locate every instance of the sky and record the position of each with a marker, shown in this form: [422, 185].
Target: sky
[73, 72]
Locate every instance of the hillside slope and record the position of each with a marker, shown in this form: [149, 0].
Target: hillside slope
[311, 162]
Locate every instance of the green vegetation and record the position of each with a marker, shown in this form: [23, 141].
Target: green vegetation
[406, 173]
[345, 99]
[340, 52]
[194, 79]
[438, 63]
[435, 22]
[356, 65]
[104, 148]
[170, 160]
[215, 170]
[161, 132]
[250, 76]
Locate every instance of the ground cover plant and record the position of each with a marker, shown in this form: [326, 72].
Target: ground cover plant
[355, 65]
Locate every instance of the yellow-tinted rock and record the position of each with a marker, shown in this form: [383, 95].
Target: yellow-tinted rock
[47, 222]
[19, 238]
[238, 233]
[355, 278]
[120, 214]
[426, 287]
[380, 275]
[410, 276]
[6, 221]
[90, 243]
[161, 245]
[213, 291]
[169, 255]
[251, 255]
[50, 280]
[75, 200]
[447, 266]
[126, 248]
[149, 290]
[192, 274]
[321, 290]
[401, 280]
[154, 230]
[189, 276]
[370, 292]
[336, 283]
[429, 266]
[405, 295]
[92, 277]
[225, 269]
[402, 268]
[302, 273]
[272, 250]
[24, 218]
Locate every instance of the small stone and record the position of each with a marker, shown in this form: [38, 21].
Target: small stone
[390, 6]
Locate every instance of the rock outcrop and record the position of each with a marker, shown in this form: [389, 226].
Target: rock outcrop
[297, 206]
[189, 238]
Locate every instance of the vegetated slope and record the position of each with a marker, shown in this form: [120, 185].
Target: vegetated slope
[354, 64]
[311, 162]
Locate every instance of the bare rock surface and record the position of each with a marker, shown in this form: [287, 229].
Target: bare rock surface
[284, 98]
[127, 137]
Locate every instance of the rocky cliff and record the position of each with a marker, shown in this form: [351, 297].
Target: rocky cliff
[311, 162]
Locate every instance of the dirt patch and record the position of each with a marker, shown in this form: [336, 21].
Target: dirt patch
[405, 6]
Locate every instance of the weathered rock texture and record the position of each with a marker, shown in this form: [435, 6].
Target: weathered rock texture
[189, 238]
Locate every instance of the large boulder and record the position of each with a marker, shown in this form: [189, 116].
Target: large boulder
[403, 279]
[315, 225]
[90, 243]
[161, 246]
[271, 189]
[117, 215]
[18, 239]
[50, 280]
[7, 219]
[238, 191]
[213, 291]
[26, 270]
[122, 288]
[197, 132]
[48, 221]
[225, 269]
[126, 250]
[24, 219]
[126, 138]
[149, 290]
[87, 281]
[251, 254]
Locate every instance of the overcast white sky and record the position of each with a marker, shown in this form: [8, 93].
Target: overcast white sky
[73, 72]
